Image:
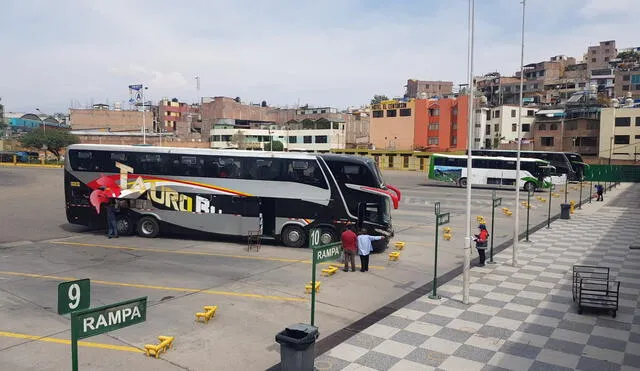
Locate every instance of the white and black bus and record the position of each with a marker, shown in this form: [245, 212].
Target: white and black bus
[227, 192]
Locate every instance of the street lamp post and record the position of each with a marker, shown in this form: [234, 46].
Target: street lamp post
[44, 123]
[514, 260]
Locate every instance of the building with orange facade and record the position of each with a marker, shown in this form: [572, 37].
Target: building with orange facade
[420, 124]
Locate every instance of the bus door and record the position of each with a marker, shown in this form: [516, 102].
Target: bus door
[267, 209]
[367, 214]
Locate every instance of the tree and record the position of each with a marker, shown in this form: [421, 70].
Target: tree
[54, 139]
[239, 139]
[378, 98]
[276, 146]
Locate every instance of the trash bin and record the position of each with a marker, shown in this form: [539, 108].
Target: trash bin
[565, 211]
[297, 346]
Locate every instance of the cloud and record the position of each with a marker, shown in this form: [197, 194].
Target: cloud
[333, 52]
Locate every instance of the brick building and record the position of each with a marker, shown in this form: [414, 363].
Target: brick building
[428, 89]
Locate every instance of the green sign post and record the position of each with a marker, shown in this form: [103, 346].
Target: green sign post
[321, 254]
[441, 219]
[74, 295]
[551, 187]
[94, 321]
[496, 201]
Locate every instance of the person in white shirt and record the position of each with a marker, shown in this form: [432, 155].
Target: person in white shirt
[365, 248]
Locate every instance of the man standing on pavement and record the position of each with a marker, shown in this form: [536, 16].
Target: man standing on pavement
[349, 244]
[112, 227]
[365, 248]
[599, 191]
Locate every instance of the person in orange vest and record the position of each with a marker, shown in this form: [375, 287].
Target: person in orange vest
[481, 243]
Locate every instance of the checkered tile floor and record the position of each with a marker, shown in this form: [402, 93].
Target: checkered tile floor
[520, 318]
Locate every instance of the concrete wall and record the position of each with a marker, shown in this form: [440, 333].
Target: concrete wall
[89, 119]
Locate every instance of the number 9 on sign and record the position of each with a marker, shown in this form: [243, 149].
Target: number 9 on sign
[73, 296]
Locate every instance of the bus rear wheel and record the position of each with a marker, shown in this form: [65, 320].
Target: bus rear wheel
[293, 236]
[148, 227]
[529, 187]
[327, 236]
[462, 182]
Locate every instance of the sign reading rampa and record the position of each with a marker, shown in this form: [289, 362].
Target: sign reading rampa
[328, 252]
[94, 321]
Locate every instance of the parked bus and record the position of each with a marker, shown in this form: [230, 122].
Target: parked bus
[569, 163]
[228, 192]
[493, 171]
[21, 156]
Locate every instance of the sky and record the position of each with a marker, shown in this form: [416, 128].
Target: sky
[338, 53]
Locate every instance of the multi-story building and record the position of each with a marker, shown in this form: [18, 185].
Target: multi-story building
[420, 124]
[222, 112]
[599, 56]
[428, 89]
[574, 128]
[177, 117]
[627, 80]
[502, 125]
[309, 135]
[620, 132]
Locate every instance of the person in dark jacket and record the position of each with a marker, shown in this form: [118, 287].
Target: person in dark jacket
[481, 243]
[111, 209]
[599, 191]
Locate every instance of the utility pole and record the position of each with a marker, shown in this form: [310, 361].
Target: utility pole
[514, 258]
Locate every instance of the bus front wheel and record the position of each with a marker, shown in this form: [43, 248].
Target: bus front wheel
[293, 236]
[529, 187]
[327, 236]
[148, 227]
[462, 182]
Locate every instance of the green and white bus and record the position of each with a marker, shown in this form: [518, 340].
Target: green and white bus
[492, 171]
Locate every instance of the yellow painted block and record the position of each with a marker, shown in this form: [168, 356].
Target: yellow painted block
[447, 236]
[308, 287]
[330, 271]
[394, 255]
[399, 245]
[446, 229]
[155, 350]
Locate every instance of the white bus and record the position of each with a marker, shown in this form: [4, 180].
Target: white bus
[493, 171]
[227, 192]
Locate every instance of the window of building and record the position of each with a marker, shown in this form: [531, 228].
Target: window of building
[513, 113]
[541, 73]
[487, 130]
[321, 139]
[433, 140]
[582, 84]
[626, 77]
[572, 125]
[625, 87]
[542, 127]
[454, 140]
[593, 125]
[392, 113]
[546, 141]
[293, 140]
[496, 127]
[636, 87]
[593, 60]
[405, 112]
[536, 86]
[323, 111]
[606, 59]
[553, 127]
[530, 113]
[488, 115]
[586, 141]
[593, 51]
[434, 111]
[623, 121]
[496, 114]
[434, 126]
[378, 113]
[637, 136]
[514, 127]
[526, 128]
[635, 79]
[307, 139]
[621, 139]
[638, 121]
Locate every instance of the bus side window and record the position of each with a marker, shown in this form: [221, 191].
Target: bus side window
[83, 161]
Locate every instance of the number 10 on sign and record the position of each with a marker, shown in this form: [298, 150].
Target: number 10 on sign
[74, 296]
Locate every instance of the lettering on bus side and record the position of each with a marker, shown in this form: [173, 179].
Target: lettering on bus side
[165, 196]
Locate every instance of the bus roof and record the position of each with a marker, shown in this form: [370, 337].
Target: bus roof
[522, 150]
[493, 157]
[193, 151]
